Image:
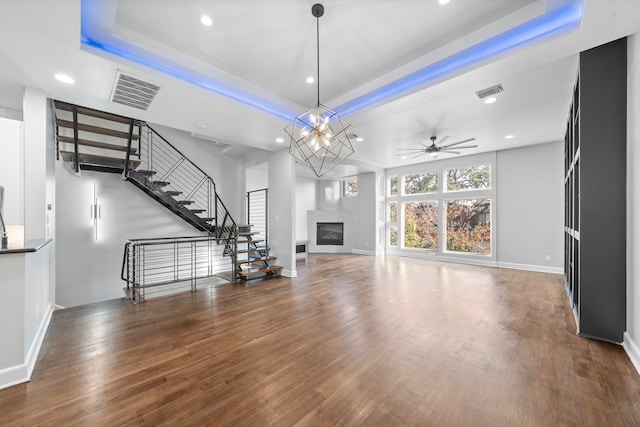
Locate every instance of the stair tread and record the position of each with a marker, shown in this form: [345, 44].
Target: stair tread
[245, 273]
[247, 233]
[95, 129]
[91, 112]
[160, 183]
[185, 202]
[173, 193]
[96, 144]
[251, 251]
[250, 241]
[255, 260]
[94, 159]
[146, 172]
[197, 210]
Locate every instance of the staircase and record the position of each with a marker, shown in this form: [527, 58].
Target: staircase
[252, 256]
[89, 139]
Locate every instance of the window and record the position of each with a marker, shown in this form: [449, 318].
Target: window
[393, 212]
[350, 186]
[469, 226]
[393, 185]
[393, 236]
[421, 225]
[470, 178]
[421, 183]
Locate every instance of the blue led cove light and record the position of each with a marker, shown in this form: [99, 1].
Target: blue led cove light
[566, 14]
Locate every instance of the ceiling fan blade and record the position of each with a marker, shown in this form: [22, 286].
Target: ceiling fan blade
[459, 142]
[466, 146]
[412, 152]
[421, 154]
[423, 144]
[410, 149]
[444, 138]
[450, 151]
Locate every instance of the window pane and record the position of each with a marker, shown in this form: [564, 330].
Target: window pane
[421, 225]
[471, 178]
[393, 236]
[421, 183]
[351, 186]
[393, 211]
[469, 226]
[393, 186]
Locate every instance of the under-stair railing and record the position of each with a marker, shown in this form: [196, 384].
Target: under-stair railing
[152, 263]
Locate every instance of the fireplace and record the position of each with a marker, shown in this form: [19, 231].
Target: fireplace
[330, 233]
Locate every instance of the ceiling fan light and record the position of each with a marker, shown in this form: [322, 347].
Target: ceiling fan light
[433, 154]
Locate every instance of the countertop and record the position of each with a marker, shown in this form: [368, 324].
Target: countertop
[29, 245]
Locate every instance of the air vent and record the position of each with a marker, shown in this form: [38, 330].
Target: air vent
[490, 91]
[133, 92]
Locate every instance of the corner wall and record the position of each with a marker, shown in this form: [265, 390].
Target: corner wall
[530, 208]
[631, 342]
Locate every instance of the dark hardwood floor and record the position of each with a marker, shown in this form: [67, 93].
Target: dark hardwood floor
[354, 340]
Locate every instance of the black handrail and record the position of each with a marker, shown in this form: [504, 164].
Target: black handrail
[175, 149]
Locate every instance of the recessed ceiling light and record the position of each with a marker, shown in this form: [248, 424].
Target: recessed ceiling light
[443, 1]
[279, 140]
[490, 100]
[359, 139]
[206, 20]
[508, 137]
[310, 79]
[64, 79]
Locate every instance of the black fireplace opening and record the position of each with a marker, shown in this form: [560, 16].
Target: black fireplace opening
[329, 233]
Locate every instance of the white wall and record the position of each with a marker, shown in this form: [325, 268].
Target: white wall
[27, 282]
[363, 215]
[282, 214]
[11, 171]
[257, 178]
[632, 336]
[126, 212]
[305, 201]
[530, 207]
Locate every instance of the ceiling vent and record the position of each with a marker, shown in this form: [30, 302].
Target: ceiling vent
[133, 92]
[490, 91]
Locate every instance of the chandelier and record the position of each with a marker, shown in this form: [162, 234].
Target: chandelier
[319, 136]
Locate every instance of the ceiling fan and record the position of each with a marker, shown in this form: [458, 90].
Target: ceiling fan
[434, 149]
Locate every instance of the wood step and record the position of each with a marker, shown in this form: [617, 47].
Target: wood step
[251, 251]
[88, 143]
[160, 183]
[95, 160]
[208, 219]
[185, 202]
[271, 268]
[255, 260]
[247, 233]
[91, 112]
[95, 129]
[250, 241]
[197, 210]
[173, 193]
[146, 172]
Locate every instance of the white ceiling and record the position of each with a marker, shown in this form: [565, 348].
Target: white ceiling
[267, 49]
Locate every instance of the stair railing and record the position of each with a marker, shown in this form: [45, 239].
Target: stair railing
[166, 169]
[151, 263]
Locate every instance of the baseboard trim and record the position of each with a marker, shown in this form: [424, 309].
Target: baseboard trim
[289, 273]
[361, 252]
[21, 373]
[632, 350]
[530, 267]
